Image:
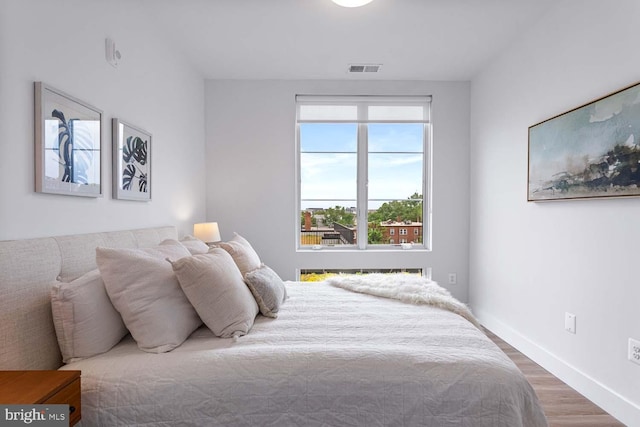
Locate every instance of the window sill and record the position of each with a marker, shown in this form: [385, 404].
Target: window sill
[387, 249]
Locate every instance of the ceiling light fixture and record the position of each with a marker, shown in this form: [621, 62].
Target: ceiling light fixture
[351, 3]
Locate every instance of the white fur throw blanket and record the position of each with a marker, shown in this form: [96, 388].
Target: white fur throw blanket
[408, 288]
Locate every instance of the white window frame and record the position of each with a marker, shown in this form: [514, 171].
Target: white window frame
[392, 231]
[403, 232]
[362, 163]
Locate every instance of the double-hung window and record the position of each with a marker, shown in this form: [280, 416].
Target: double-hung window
[363, 168]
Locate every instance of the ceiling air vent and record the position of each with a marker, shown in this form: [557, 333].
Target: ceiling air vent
[364, 68]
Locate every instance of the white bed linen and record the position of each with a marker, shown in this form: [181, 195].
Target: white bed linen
[331, 358]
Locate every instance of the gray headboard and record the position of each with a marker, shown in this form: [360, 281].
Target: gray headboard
[28, 268]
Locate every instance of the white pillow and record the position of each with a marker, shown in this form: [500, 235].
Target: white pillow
[214, 285]
[267, 288]
[143, 288]
[86, 322]
[242, 252]
[195, 246]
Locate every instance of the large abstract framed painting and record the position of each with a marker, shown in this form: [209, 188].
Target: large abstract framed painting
[592, 151]
[131, 162]
[67, 144]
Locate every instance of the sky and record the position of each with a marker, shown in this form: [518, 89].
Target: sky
[328, 163]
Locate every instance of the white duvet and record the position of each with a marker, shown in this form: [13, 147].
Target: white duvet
[331, 358]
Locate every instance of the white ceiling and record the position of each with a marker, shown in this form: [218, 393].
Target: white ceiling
[317, 39]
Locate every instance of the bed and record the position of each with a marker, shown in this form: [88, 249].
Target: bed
[332, 357]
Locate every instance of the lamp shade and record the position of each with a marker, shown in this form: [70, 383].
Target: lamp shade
[208, 232]
[351, 3]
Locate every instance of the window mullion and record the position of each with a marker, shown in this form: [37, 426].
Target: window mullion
[298, 182]
[426, 184]
[363, 179]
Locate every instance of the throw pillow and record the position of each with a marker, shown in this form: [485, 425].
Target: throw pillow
[242, 252]
[195, 246]
[214, 285]
[85, 321]
[267, 288]
[143, 288]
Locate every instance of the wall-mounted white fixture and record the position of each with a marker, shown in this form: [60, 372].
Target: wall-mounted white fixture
[351, 3]
[570, 323]
[634, 351]
[111, 53]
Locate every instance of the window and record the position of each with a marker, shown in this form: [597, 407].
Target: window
[320, 275]
[362, 166]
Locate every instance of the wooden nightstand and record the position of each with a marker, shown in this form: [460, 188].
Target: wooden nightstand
[42, 387]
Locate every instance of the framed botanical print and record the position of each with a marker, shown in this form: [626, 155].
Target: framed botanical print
[68, 138]
[131, 162]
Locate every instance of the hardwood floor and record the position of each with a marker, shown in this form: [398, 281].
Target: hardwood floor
[563, 406]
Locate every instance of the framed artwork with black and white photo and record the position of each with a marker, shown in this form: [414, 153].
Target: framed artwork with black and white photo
[68, 138]
[131, 162]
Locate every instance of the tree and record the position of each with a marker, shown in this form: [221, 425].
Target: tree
[338, 215]
[375, 235]
[403, 210]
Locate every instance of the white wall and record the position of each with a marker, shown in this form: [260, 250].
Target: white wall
[532, 262]
[251, 180]
[61, 42]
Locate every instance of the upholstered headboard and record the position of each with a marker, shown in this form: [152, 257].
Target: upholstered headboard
[28, 269]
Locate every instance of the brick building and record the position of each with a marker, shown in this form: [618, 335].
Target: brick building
[395, 232]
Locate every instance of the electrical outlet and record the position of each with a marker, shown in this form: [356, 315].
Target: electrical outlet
[634, 351]
[570, 323]
[453, 278]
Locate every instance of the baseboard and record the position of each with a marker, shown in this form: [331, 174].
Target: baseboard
[616, 405]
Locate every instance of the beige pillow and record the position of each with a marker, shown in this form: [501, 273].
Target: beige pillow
[267, 288]
[143, 288]
[214, 285]
[195, 246]
[242, 252]
[86, 322]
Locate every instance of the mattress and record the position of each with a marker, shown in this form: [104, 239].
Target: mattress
[331, 358]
